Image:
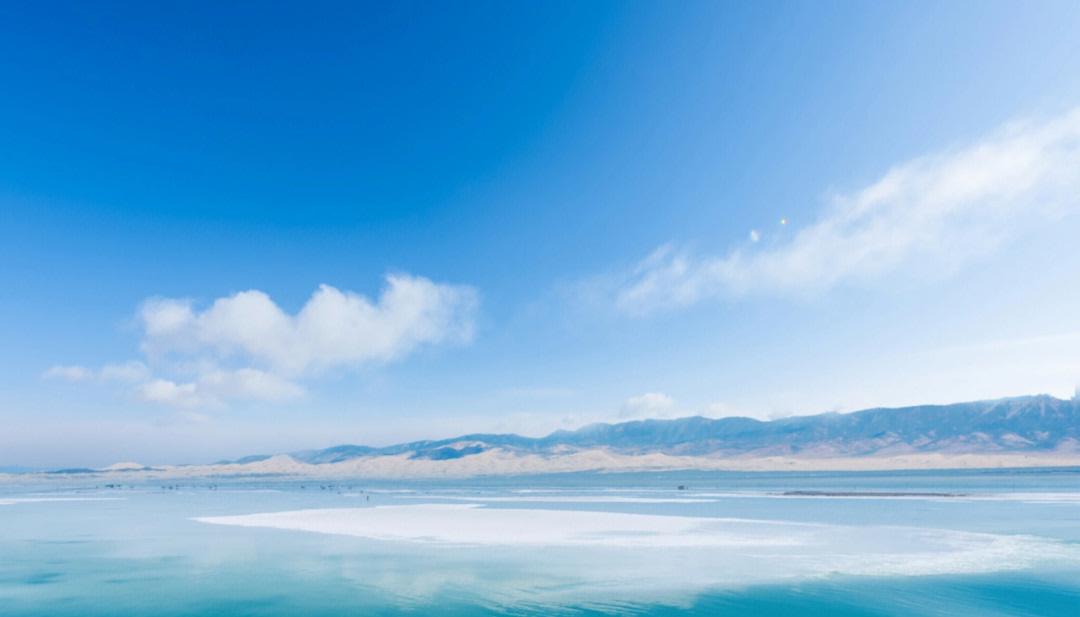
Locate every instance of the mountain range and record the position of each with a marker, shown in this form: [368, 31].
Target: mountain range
[1031, 424]
[1029, 431]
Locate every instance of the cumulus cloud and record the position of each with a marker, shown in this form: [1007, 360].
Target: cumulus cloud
[245, 347]
[333, 328]
[928, 217]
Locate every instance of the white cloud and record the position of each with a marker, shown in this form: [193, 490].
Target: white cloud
[212, 389]
[334, 328]
[162, 316]
[927, 217]
[266, 350]
[648, 405]
[68, 373]
[129, 372]
[176, 395]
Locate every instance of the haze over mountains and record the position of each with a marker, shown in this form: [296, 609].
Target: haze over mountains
[1023, 431]
[1024, 424]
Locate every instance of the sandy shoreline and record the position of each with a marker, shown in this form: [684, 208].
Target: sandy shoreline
[498, 462]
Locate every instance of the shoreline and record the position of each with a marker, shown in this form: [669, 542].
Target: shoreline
[500, 463]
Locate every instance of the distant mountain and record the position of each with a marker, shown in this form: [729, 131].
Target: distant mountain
[1035, 424]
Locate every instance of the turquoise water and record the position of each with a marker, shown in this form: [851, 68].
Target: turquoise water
[990, 543]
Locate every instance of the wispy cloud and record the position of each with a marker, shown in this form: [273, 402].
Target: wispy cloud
[725, 410]
[128, 372]
[648, 405]
[245, 347]
[169, 393]
[68, 373]
[536, 393]
[927, 217]
[216, 387]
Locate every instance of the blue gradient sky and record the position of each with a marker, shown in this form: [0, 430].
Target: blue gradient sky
[576, 186]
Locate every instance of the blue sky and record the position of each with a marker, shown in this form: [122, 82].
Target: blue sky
[246, 229]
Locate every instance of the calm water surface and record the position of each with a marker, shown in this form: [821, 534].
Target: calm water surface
[928, 543]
